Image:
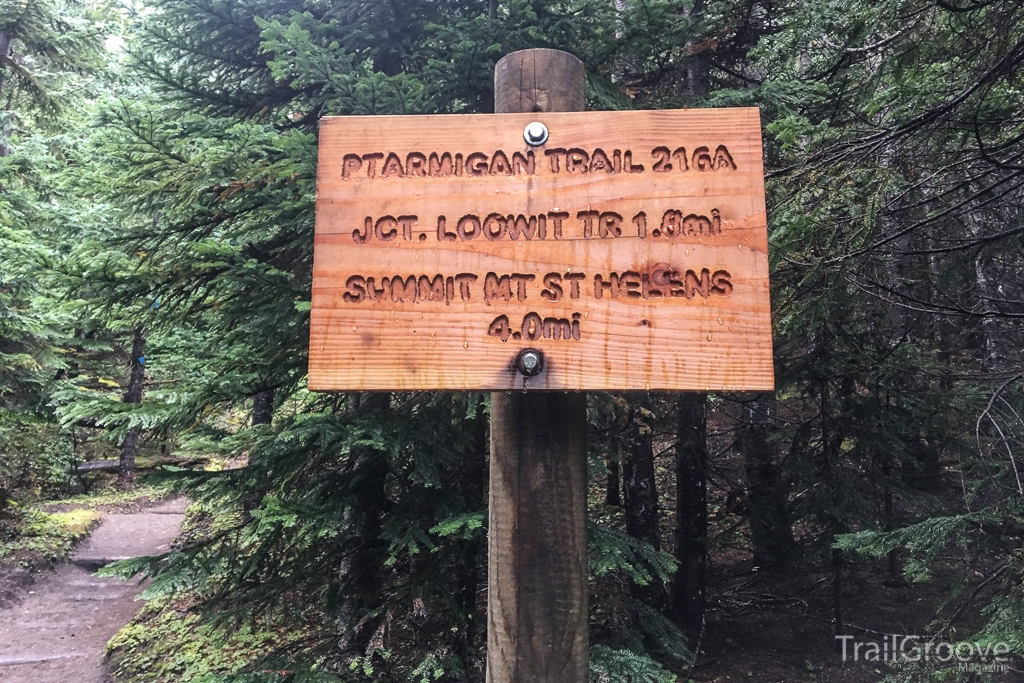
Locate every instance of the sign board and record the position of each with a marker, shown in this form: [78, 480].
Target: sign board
[630, 249]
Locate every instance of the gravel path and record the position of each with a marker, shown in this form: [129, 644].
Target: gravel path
[58, 631]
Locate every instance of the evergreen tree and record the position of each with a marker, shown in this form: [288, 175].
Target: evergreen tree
[46, 48]
[893, 146]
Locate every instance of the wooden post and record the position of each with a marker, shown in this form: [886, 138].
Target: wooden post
[537, 540]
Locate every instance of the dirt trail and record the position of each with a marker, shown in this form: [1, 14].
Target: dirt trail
[58, 632]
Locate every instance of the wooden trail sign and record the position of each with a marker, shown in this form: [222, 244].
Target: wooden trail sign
[630, 248]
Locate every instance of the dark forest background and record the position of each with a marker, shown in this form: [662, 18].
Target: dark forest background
[157, 179]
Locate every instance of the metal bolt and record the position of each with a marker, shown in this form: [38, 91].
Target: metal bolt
[530, 362]
[536, 134]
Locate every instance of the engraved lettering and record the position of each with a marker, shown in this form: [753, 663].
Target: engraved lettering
[442, 231]
[499, 327]
[432, 290]
[695, 285]
[464, 280]
[392, 167]
[361, 238]
[403, 290]
[371, 163]
[702, 160]
[532, 327]
[468, 227]
[407, 222]
[574, 284]
[500, 165]
[588, 218]
[676, 286]
[497, 287]
[577, 160]
[649, 291]
[599, 162]
[671, 222]
[521, 163]
[696, 225]
[386, 228]
[521, 226]
[661, 163]
[439, 166]
[556, 222]
[723, 159]
[627, 163]
[552, 287]
[680, 157]
[355, 288]
[416, 165]
[476, 164]
[521, 280]
[610, 223]
[377, 295]
[640, 221]
[557, 328]
[720, 283]
[350, 164]
[612, 286]
[661, 275]
[629, 284]
[554, 154]
[494, 226]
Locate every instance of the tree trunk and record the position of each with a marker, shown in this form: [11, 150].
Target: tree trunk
[770, 534]
[611, 489]
[360, 568]
[639, 490]
[472, 484]
[829, 443]
[537, 538]
[136, 376]
[698, 68]
[263, 407]
[262, 414]
[691, 516]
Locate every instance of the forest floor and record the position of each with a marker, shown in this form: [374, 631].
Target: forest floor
[54, 625]
[776, 627]
[769, 625]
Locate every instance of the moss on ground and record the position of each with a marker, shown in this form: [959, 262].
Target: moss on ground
[50, 534]
[166, 641]
[170, 640]
[113, 496]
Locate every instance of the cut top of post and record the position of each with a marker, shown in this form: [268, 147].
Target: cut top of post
[539, 80]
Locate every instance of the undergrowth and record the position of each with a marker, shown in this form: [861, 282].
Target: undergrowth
[167, 641]
[114, 496]
[50, 534]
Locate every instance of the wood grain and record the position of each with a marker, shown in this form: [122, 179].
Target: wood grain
[537, 616]
[537, 541]
[717, 342]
